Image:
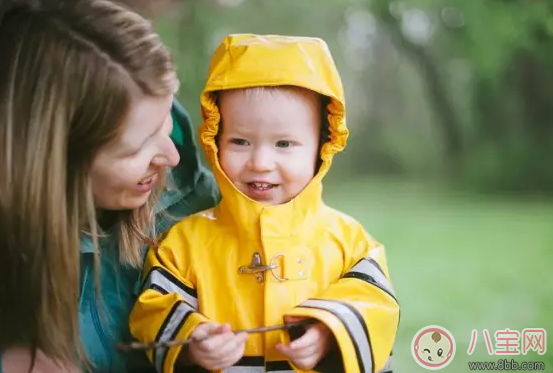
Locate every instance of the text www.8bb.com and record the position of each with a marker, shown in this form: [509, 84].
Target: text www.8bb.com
[503, 364]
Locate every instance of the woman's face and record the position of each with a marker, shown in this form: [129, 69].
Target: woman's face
[125, 171]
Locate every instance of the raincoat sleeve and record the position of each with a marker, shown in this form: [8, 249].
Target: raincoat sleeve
[166, 308]
[360, 309]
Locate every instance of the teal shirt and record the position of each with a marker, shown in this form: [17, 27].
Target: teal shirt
[104, 322]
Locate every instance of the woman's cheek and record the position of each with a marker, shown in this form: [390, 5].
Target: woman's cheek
[133, 170]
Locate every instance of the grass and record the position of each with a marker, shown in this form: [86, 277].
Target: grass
[459, 261]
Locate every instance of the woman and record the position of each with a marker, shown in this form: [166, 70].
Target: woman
[88, 128]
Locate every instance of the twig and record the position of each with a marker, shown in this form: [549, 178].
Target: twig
[167, 344]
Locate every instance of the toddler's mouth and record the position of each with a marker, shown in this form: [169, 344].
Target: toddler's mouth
[261, 186]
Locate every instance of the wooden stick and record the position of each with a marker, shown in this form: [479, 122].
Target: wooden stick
[167, 344]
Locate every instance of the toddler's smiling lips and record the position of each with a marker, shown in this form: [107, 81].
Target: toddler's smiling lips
[261, 185]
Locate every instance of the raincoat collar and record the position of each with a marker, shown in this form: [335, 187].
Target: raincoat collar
[247, 60]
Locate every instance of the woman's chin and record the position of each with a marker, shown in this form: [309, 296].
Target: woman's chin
[129, 202]
[136, 201]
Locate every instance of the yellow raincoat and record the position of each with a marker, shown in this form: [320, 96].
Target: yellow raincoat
[321, 263]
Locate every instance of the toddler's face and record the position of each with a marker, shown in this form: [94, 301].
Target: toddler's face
[269, 142]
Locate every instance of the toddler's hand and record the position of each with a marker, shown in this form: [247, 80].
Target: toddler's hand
[222, 349]
[306, 351]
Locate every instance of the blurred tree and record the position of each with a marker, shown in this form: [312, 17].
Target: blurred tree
[507, 48]
[437, 90]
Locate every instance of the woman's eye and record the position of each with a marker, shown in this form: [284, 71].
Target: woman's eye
[241, 142]
[283, 144]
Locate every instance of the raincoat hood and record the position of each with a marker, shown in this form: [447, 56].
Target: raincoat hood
[247, 60]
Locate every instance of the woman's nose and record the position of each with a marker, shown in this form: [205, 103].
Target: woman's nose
[168, 158]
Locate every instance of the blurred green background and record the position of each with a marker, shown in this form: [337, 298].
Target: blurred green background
[449, 103]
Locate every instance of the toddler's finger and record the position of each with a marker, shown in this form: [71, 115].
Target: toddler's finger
[243, 336]
[204, 329]
[215, 342]
[310, 337]
[230, 346]
[285, 350]
[223, 328]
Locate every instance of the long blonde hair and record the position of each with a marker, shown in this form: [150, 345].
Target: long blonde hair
[67, 73]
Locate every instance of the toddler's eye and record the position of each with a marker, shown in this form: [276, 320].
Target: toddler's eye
[283, 144]
[440, 352]
[241, 142]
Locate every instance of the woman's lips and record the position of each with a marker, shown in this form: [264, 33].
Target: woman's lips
[147, 184]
